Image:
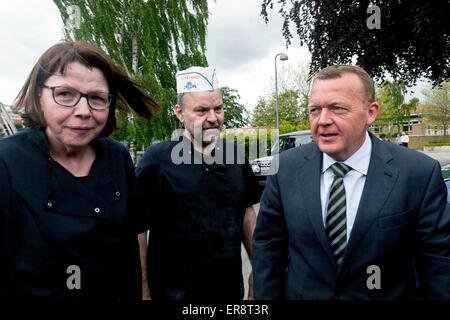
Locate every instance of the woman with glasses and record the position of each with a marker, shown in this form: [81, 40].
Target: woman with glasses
[69, 208]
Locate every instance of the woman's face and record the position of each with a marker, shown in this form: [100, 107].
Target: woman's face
[73, 128]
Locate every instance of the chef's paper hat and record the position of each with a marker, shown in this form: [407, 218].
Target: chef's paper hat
[197, 79]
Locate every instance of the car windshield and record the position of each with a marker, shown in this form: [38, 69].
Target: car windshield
[288, 142]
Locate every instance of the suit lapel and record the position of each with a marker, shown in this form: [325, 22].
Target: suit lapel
[379, 183]
[310, 177]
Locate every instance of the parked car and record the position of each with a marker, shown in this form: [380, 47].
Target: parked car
[265, 166]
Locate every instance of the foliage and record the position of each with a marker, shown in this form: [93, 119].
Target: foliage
[236, 116]
[150, 40]
[297, 78]
[289, 111]
[293, 99]
[393, 109]
[411, 41]
[286, 127]
[437, 144]
[263, 142]
[437, 106]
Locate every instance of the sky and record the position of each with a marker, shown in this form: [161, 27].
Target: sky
[240, 45]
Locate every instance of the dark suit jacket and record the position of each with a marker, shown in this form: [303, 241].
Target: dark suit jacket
[402, 224]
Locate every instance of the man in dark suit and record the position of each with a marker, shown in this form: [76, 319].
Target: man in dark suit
[351, 217]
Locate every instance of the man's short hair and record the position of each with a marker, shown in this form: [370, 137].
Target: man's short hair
[336, 71]
[180, 99]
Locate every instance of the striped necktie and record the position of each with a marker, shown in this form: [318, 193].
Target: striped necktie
[336, 226]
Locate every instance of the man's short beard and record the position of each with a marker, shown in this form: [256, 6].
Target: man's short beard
[200, 140]
[212, 138]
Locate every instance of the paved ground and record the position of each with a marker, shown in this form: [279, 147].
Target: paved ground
[442, 157]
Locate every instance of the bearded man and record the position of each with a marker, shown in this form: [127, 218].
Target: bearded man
[200, 193]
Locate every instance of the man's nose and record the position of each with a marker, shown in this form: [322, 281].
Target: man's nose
[211, 116]
[325, 116]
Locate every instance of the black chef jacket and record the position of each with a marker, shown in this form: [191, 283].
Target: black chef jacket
[50, 220]
[196, 217]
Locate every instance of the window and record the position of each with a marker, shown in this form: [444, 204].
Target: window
[407, 128]
[376, 129]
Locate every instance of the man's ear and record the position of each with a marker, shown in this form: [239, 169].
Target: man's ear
[179, 113]
[374, 108]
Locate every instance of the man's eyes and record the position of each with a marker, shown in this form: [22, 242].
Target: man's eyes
[217, 109]
[334, 109]
[338, 109]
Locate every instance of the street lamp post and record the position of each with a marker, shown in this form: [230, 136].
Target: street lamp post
[283, 57]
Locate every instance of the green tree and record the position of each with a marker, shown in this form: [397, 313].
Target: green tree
[410, 40]
[236, 116]
[297, 78]
[437, 106]
[151, 40]
[289, 111]
[262, 141]
[293, 100]
[393, 109]
[286, 127]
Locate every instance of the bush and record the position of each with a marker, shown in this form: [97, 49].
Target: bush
[437, 144]
[254, 136]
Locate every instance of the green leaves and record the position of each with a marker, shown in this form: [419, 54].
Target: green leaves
[394, 110]
[436, 112]
[291, 111]
[236, 116]
[293, 99]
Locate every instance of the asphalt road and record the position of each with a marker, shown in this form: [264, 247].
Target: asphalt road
[442, 157]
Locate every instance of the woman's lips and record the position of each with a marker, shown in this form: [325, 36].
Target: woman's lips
[80, 129]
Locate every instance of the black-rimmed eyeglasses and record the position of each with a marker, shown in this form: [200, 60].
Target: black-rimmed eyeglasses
[69, 97]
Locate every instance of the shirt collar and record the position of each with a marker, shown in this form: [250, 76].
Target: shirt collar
[359, 161]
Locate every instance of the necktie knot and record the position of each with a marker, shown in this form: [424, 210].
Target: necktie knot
[340, 169]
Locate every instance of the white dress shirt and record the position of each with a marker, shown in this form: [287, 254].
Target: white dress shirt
[354, 181]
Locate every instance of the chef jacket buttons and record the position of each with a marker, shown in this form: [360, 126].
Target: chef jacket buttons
[49, 204]
[97, 210]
